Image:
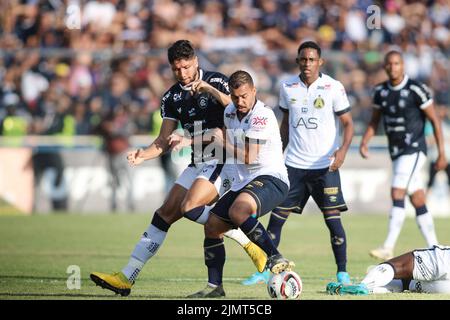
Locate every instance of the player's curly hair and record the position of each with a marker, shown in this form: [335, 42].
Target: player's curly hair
[240, 78]
[181, 49]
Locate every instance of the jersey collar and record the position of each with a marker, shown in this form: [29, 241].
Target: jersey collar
[312, 84]
[400, 85]
[189, 86]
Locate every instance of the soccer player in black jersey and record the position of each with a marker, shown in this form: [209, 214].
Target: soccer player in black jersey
[404, 104]
[197, 101]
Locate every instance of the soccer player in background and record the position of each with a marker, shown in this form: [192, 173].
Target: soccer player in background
[404, 104]
[260, 181]
[314, 106]
[197, 101]
[421, 270]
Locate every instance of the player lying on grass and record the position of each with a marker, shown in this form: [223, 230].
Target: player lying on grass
[197, 101]
[421, 270]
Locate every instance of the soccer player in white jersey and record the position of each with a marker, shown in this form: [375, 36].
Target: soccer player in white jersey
[255, 157]
[198, 96]
[421, 270]
[314, 107]
[404, 104]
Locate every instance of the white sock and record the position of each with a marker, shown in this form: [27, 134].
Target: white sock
[395, 286]
[146, 248]
[237, 235]
[379, 276]
[426, 226]
[396, 219]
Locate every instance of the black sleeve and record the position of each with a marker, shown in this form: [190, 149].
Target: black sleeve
[167, 109]
[220, 82]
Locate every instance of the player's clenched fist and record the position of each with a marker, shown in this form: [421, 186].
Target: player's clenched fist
[135, 157]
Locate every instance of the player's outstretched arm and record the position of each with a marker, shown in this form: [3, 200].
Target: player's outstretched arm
[202, 86]
[369, 133]
[157, 148]
[430, 113]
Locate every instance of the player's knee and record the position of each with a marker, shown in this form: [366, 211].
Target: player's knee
[418, 199]
[398, 194]
[211, 230]
[170, 215]
[238, 213]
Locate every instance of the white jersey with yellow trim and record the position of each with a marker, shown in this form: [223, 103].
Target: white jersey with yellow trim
[313, 120]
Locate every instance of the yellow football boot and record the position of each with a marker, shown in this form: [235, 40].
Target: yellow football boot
[257, 255]
[116, 282]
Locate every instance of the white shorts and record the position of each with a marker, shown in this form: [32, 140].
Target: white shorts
[407, 172]
[432, 264]
[217, 174]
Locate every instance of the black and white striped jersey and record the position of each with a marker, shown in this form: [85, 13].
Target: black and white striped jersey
[403, 117]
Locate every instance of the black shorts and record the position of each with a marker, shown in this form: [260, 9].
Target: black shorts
[267, 191]
[323, 185]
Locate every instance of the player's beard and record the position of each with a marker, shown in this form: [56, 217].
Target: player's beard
[188, 87]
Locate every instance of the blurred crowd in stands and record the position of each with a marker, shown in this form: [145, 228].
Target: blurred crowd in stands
[107, 76]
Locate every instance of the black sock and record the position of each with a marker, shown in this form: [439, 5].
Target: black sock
[276, 222]
[258, 235]
[338, 240]
[214, 259]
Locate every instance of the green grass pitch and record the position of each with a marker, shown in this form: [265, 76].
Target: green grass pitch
[36, 251]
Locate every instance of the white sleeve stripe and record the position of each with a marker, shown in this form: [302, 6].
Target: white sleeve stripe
[426, 104]
[170, 119]
[420, 92]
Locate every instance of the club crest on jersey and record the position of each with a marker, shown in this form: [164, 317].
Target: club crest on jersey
[319, 103]
[203, 102]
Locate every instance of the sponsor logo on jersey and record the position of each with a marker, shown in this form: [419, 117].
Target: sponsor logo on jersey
[177, 96]
[404, 93]
[221, 81]
[319, 103]
[324, 87]
[259, 121]
[226, 184]
[230, 115]
[258, 183]
[331, 191]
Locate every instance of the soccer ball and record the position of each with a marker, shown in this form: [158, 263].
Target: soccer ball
[285, 285]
